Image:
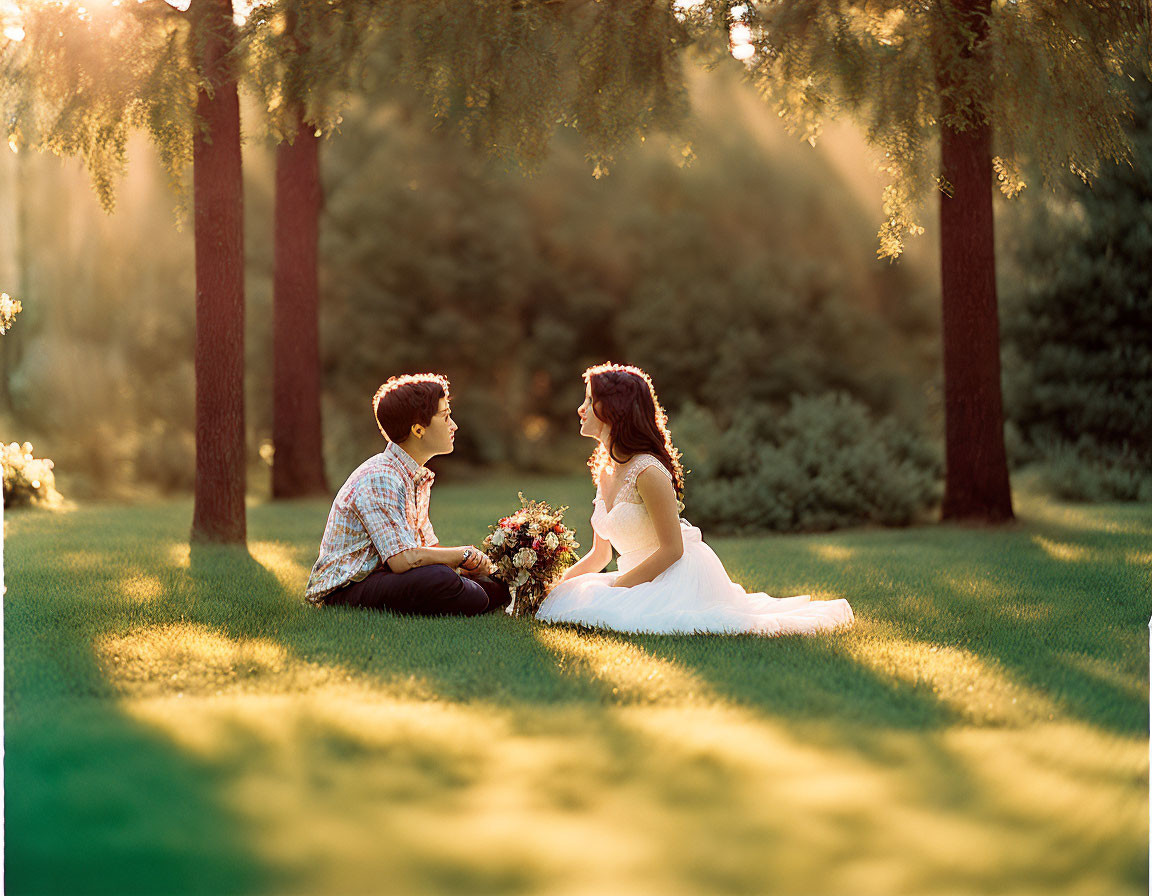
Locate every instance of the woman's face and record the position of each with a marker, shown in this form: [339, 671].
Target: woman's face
[591, 426]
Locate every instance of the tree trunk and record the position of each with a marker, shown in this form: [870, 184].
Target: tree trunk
[219, 514]
[297, 435]
[976, 479]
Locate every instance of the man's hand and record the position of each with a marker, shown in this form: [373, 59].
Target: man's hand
[474, 563]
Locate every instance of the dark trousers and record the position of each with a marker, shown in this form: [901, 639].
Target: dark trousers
[434, 590]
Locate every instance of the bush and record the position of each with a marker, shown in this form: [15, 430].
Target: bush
[825, 463]
[1088, 471]
[27, 479]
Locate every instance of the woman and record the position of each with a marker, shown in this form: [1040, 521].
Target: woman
[669, 580]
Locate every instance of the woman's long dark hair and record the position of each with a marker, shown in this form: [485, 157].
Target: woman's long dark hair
[624, 398]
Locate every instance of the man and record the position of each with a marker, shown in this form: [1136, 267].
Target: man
[379, 549]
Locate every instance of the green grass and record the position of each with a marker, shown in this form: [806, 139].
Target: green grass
[179, 721]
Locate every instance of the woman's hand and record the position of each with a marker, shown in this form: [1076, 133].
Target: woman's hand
[594, 561]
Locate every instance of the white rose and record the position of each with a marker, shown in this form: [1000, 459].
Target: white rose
[497, 538]
[525, 558]
[551, 541]
[521, 578]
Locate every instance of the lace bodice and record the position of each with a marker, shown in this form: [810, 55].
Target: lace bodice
[626, 524]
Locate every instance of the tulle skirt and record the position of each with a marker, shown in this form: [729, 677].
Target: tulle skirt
[692, 595]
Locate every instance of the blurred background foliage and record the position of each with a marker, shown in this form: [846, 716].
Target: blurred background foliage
[745, 282]
[1077, 313]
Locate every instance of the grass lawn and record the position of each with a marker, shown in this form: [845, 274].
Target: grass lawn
[178, 721]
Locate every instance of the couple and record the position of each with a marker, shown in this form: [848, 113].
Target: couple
[379, 549]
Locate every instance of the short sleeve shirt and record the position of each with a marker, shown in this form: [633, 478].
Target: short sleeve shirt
[380, 511]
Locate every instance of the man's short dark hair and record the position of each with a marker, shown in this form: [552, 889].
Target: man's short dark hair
[404, 401]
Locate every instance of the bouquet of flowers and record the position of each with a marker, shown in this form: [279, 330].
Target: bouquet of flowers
[531, 549]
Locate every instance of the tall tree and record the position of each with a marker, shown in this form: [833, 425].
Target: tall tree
[956, 94]
[297, 434]
[218, 197]
[304, 59]
[77, 81]
[976, 481]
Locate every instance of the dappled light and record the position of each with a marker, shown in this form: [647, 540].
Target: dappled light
[1069, 553]
[1108, 674]
[185, 657]
[143, 588]
[224, 222]
[179, 555]
[625, 670]
[1140, 558]
[194, 660]
[971, 686]
[442, 796]
[282, 561]
[968, 734]
[834, 553]
[1121, 520]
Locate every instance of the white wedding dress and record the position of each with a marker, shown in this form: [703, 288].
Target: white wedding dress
[694, 594]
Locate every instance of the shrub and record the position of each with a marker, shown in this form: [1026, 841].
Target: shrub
[825, 463]
[1088, 471]
[28, 479]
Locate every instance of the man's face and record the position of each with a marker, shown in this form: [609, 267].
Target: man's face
[440, 433]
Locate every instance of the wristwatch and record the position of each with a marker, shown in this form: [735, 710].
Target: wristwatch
[468, 552]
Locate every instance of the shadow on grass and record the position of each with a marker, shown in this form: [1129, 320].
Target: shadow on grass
[96, 803]
[492, 657]
[1057, 606]
[496, 658]
[803, 678]
[428, 790]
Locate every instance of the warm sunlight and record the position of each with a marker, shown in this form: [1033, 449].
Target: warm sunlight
[972, 686]
[786, 607]
[740, 38]
[277, 559]
[630, 672]
[1069, 553]
[11, 21]
[670, 799]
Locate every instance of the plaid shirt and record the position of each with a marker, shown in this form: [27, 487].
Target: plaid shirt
[381, 510]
